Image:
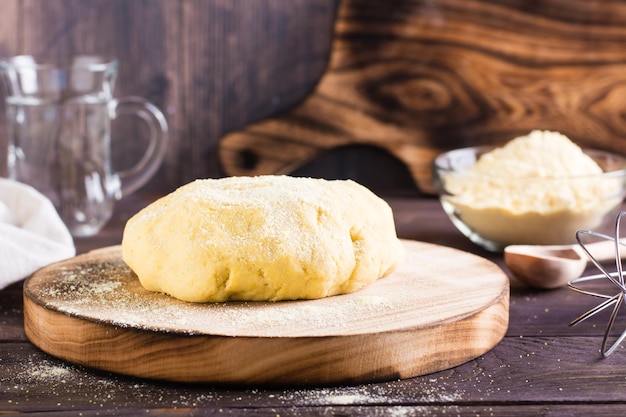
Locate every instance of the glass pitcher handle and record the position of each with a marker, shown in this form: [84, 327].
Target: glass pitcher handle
[132, 179]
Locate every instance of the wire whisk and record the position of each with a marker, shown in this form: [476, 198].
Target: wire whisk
[616, 278]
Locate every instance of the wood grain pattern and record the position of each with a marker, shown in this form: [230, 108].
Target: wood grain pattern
[210, 65]
[409, 77]
[441, 308]
[536, 370]
[414, 77]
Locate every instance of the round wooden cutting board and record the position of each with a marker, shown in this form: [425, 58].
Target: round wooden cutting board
[442, 307]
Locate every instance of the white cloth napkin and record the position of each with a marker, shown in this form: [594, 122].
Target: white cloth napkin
[32, 234]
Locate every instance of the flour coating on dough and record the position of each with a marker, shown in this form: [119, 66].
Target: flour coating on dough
[262, 238]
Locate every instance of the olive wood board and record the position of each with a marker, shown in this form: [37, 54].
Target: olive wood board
[440, 308]
[415, 78]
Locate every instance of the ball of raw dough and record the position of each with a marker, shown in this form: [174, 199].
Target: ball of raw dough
[262, 238]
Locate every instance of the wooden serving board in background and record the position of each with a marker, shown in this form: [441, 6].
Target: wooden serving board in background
[415, 77]
[441, 308]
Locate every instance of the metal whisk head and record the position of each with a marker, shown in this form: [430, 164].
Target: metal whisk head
[616, 278]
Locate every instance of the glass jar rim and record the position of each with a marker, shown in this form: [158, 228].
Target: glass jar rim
[91, 62]
[441, 163]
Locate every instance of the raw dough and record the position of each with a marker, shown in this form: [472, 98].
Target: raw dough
[262, 238]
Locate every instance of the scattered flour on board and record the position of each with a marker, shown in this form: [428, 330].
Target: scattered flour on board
[366, 395]
[111, 293]
[89, 388]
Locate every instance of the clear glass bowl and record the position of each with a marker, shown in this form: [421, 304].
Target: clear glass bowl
[495, 212]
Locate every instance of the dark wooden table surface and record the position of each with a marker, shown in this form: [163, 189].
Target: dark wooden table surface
[542, 367]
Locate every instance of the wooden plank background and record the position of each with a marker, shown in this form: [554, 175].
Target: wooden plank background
[210, 65]
[418, 77]
[443, 73]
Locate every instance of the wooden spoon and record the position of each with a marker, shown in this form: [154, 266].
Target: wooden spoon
[553, 266]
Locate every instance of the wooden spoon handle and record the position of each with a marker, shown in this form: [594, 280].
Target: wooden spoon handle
[605, 250]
